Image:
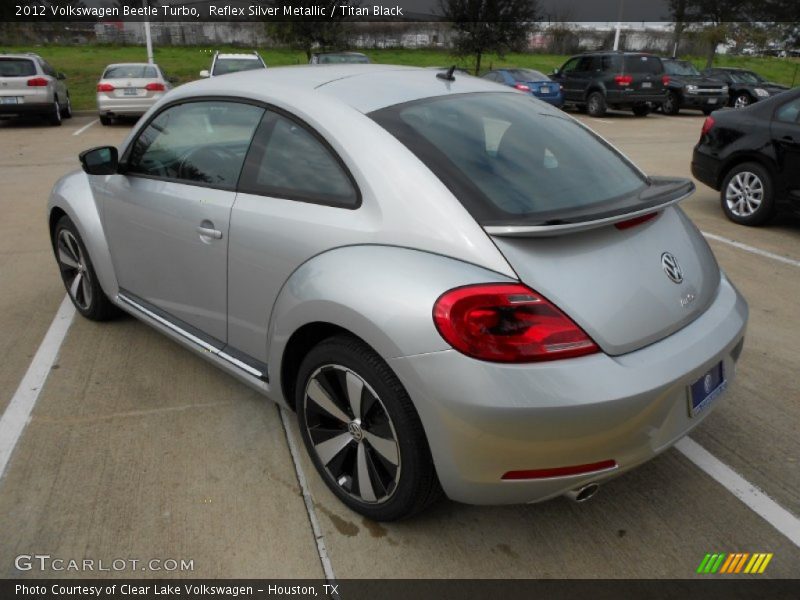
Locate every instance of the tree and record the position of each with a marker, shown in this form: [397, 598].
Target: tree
[677, 9]
[483, 26]
[715, 18]
[308, 34]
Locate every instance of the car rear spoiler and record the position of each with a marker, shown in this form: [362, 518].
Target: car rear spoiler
[662, 192]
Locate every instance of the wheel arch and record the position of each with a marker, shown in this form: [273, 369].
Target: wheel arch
[741, 158]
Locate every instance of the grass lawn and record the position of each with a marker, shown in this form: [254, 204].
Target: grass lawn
[84, 64]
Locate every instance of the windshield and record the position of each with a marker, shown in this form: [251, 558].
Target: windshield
[130, 72]
[223, 66]
[745, 77]
[680, 67]
[528, 75]
[16, 67]
[510, 160]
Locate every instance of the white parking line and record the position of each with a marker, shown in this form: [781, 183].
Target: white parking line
[752, 249]
[764, 506]
[85, 127]
[327, 567]
[18, 411]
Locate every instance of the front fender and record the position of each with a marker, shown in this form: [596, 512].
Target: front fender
[73, 195]
[382, 294]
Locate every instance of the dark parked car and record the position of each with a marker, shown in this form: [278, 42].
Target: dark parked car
[745, 87]
[688, 88]
[753, 157]
[338, 58]
[530, 81]
[597, 81]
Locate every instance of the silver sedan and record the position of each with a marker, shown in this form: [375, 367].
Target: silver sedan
[130, 90]
[457, 288]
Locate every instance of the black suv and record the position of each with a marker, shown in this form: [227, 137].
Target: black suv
[597, 81]
[687, 88]
[745, 86]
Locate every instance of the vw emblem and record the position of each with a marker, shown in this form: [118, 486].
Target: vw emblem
[671, 267]
[707, 382]
[354, 427]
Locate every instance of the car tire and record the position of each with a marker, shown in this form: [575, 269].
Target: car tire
[54, 116]
[747, 194]
[672, 103]
[78, 274]
[641, 110]
[596, 104]
[742, 100]
[379, 434]
[105, 120]
[66, 111]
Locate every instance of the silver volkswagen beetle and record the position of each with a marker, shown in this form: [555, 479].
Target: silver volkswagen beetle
[455, 286]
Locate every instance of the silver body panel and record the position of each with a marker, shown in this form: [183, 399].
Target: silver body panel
[31, 99]
[130, 96]
[376, 272]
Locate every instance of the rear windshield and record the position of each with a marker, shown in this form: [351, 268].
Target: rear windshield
[223, 66]
[325, 59]
[510, 160]
[680, 67]
[638, 63]
[16, 67]
[130, 72]
[528, 75]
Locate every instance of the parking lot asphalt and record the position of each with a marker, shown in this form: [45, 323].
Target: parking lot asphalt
[138, 449]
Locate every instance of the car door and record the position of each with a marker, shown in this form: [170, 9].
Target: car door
[577, 78]
[785, 128]
[58, 85]
[167, 216]
[296, 199]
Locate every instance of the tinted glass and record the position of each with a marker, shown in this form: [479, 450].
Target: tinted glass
[130, 72]
[528, 75]
[224, 66]
[511, 160]
[197, 142]
[789, 112]
[611, 62]
[16, 67]
[745, 77]
[570, 65]
[638, 63]
[291, 162]
[680, 67]
[326, 59]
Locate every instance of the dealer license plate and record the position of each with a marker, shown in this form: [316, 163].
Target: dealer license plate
[8, 100]
[712, 100]
[647, 84]
[544, 90]
[706, 389]
[131, 92]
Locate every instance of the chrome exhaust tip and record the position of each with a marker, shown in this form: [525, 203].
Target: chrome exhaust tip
[583, 493]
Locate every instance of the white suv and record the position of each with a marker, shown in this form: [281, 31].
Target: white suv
[222, 64]
[30, 86]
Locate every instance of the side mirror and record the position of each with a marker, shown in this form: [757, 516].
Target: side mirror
[61, 76]
[205, 73]
[103, 160]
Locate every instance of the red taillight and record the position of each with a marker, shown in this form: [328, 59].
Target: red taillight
[635, 221]
[707, 125]
[603, 465]
[105, 87]
[38, 82]
[665, 79]
[508, 323]
[155, 87]
[522, 87]
[623, 80]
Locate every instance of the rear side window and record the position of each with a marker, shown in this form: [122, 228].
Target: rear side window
[131, 72]
[510, 160]
[197, 142]
[289, 161]
[16, 67]
[638, 63]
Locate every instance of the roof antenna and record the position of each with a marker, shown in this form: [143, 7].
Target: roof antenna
[448, 76]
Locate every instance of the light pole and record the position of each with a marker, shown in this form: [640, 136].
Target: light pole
[147, 37]
[619, 25]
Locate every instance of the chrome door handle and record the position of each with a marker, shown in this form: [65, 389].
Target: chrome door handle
[208, 232]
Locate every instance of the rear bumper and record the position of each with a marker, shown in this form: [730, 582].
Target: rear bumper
[557, 101]
[485, 419]
[107, 105]
[634, 97]
[9, 110]
[705, 168]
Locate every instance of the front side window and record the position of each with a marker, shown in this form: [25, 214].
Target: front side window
[196, 142]
[510, 160]
[571, 65]
[789, 112]
[289, 161]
